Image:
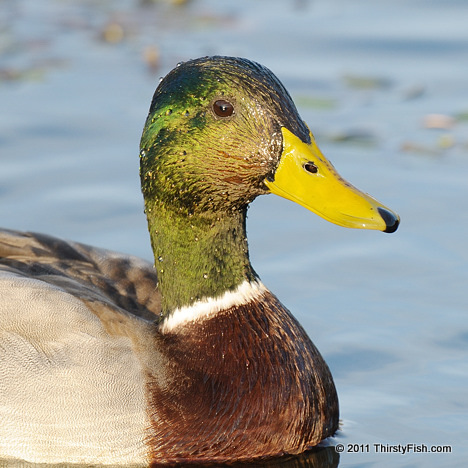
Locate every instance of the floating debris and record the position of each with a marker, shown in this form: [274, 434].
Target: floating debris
[414, 92]
[314, 102]
[438, 121]
[10, 74]
[171, 2]
[367, 82]
[355, 136]
[33, 72]
[151, 57]
[438, 148]
[113, 33]
[446, 141]
[461, 116]
[178, 2]
[418, 148]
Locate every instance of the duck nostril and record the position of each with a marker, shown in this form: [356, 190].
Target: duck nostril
[310, 167]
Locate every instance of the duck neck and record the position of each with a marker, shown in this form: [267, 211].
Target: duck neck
[197, 257]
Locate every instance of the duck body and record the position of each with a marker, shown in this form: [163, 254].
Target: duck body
[101, 380]
[71, 382]
[109, 360]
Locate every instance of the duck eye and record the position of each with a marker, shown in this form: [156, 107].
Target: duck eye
[310, 167]
[223, 108]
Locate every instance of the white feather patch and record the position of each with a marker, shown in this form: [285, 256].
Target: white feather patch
[245, 293]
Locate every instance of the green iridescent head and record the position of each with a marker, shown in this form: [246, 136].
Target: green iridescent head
[221, 131]
[213, 134]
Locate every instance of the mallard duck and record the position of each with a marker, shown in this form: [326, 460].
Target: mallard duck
[107, 359]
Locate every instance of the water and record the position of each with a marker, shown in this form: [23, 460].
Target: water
[388, 312]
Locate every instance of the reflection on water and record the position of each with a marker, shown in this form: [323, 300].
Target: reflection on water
[323, 457]
[320, 457]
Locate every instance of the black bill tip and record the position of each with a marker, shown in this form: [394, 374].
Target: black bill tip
[391, 220]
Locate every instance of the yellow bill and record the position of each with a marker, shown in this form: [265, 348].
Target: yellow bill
[306, 177]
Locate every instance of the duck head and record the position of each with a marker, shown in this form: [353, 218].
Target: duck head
[223, 130]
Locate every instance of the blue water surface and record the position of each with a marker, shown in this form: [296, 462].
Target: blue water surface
[371, 79]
